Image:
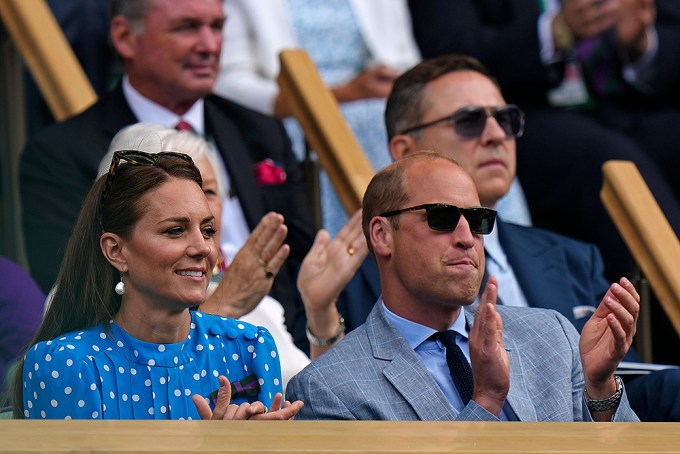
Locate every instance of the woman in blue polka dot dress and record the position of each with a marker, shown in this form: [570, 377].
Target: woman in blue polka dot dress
[119, 340]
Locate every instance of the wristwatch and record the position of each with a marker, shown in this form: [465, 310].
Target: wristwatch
[320, 342]
[562, 34]
[608, 403]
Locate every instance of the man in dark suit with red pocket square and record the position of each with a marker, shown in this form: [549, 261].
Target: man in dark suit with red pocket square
[170, 55]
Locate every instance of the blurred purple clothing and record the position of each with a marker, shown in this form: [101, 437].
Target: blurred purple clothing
[21, 311]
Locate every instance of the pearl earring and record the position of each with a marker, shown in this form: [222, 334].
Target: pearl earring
[120, 287]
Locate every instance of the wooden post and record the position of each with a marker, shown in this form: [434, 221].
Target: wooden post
[48, 56]
[325, 128]
[646, 231]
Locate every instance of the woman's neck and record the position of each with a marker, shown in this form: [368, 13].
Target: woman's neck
[156, 328]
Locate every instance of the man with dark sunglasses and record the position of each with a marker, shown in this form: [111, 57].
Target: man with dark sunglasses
[445, 218]
[598, 80]
[534, 267]
[426, 353]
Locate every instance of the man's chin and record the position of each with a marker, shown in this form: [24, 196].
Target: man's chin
[469, 300]
[490, 194]
[468, 295]
[201, 85]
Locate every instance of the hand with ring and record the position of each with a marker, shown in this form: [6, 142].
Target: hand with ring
[268, 273]
[250, 275]
[327, 268]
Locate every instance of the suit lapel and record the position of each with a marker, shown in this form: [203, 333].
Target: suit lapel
[238, 161]
[406, 371]
[538, 267]
[116, 114]
[518, 397]
[228, 139]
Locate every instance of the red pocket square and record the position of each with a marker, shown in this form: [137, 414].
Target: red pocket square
[268, 173]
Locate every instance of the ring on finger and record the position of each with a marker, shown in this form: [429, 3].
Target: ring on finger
[262, 261]
[351, 250]
[268, 273]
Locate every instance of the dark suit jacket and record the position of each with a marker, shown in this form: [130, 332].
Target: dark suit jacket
[560, 147]
[553, 271]
[60, 164]
[503, 35]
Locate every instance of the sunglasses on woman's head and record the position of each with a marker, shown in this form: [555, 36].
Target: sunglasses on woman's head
[444, 218]
[470, 122]
[136, 158]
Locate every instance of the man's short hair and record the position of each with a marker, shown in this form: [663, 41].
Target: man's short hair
[134, 11]
[405, 105]
[387, 190]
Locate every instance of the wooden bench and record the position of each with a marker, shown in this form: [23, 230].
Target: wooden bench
[337, 436]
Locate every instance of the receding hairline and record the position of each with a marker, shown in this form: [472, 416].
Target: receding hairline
[424, 156]
[406, 103]
[426, 100]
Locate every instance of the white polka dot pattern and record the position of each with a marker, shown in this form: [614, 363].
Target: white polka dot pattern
[103, 373]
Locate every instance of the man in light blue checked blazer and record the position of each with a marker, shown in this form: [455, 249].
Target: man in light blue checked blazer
[424, 229]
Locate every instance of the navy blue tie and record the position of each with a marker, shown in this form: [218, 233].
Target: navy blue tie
[459, 368]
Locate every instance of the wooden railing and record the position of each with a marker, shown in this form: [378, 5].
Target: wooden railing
[646, 231]
[325, 128]
[337, 436]
[48, 56]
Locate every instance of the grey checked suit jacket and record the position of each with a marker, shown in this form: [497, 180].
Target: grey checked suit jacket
[373, 374]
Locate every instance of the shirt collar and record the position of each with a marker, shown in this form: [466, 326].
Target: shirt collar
[147, 111]
[494, 250]
[414, 333]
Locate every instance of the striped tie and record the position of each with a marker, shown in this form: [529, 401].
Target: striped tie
[600, 63]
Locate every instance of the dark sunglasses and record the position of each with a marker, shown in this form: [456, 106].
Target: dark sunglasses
[136, 158]
[469, 122]
[444, 218]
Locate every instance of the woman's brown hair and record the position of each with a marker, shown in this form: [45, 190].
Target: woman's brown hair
[83, 294]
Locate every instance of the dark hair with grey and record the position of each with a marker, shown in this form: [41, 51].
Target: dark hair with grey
[406, 103]
[134, 11]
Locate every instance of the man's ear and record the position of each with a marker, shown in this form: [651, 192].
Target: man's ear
[401, 145]
[381, 236]
[113, 249]
[123, 37]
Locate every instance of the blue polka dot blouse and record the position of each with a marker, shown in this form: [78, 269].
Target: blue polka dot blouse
[103, 373]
